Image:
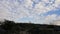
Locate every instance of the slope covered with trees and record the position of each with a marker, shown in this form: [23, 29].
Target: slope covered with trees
[10, 27]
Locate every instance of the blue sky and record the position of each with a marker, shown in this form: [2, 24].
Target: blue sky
[36, 11]
[57, 12]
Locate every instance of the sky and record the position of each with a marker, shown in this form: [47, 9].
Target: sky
[34, 11]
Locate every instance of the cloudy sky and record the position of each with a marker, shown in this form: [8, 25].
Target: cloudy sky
[35, 11]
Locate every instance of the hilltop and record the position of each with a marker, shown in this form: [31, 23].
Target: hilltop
[10, 27]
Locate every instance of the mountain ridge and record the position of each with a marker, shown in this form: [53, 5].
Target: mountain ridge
[10, 27]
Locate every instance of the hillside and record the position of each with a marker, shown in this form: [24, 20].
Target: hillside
[10, 27]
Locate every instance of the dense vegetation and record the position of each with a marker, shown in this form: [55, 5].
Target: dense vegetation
[10, 27]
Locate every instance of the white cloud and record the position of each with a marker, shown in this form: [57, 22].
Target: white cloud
[52, 19]
[56, 22]
[13, 10]
[41, 8]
